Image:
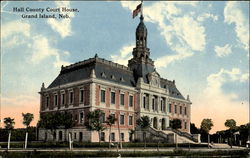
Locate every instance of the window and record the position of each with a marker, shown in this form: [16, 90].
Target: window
[144, 102]
[102, 136]
[122, 119]
[81, 117]
[130, 120]
[71, 97]
[63, 99]
[180, 109]
[122, 136]
[75, 117]
[130, 137]
[161, 105]
[102, 118]
[185, 125]
[55, 100]
[81, 95]
[170, 108]
[185, 110]
[75, 135]
[153, 104]
[112, 97]
[103, 96]
[47, 102]
[131, 100]
[175, 108]
[112, 137]
[122, 99]
[60, 135]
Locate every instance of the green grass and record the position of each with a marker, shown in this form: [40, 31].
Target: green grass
[94, 145]
[64, 154]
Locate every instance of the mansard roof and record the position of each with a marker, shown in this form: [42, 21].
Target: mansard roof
[104, 69]
[170, 85]
[107, 71]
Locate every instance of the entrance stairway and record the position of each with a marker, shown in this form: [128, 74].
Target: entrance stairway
[182, 137]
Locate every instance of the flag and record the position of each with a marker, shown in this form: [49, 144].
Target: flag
[137, 10]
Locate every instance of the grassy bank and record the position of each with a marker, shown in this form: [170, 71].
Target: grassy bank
[94, 145]
[64, 154]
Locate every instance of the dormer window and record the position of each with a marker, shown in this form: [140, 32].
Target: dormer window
[121, 79]
[112, 77]
[103, 75]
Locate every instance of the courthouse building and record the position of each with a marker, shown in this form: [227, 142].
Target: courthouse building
[128, 92]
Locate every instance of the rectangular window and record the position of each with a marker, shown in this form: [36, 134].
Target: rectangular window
[47, 102]
[175, 109]
[75, 118]
[180, 109]
[122, 119]
[130, 120]
[170, 108]
[81, 95]
[112, 136]
[74, 135]
[185, 125]
[71, 97]
[161, 105]
[102, 118]
[55, 100]
[131, 100]
[81, 117]
[103, 96]
[102, 136]
[122, 136]
[153, 104]
[63, 99]
[112, 97]
[122, 99]
[144, 102]
[185, 110]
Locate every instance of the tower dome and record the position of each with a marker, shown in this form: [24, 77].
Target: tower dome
[141, 34]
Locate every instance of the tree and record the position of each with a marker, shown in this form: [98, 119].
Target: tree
[175, 124]
[27, 118]
[144, 122]
[9, 125]
[95, 123]
[194, 129]
[53, 121]
[206, 125]
[231, 124]
[110, 121]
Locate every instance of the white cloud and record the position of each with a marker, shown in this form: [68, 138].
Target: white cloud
[41, 49]
[189, 30]
[125, 53]
[223, 51]
[63, 26]
[180, 30]
[205, 16]
[15, 27]
[181, 54]
[233, 14]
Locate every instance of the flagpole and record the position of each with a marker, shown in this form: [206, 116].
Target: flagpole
[141, 7]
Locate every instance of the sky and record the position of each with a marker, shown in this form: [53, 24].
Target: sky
[203, 46]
